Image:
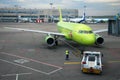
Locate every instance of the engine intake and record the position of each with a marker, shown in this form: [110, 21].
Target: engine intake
[50, 41]
[99, 40]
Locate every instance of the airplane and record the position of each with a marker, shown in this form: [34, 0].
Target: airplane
[79, 33]
[78, 20]
[98, 20]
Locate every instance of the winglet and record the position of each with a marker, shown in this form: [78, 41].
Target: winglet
[60, 16]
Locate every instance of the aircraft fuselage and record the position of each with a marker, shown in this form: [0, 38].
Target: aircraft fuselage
[80, 33]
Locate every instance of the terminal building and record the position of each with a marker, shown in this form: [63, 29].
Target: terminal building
[31, 15]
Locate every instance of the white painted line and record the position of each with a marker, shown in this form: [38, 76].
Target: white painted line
[15, 74]
[54, 71]
[24, 67]
[16, 77]
[29, 59]
[21, 61]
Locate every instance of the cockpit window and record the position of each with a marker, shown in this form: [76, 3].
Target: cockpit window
[85, 32]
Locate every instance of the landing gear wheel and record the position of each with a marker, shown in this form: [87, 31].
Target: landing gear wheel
[56, 42]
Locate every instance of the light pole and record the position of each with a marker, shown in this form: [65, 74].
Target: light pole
[51, 18]
[51, 5]
[17, 17]
[84, 9]
[84, 13]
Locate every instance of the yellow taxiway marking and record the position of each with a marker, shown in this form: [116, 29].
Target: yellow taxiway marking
[71, 62]
[114, 61]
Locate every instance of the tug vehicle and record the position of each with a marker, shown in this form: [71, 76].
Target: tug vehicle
[91, 62]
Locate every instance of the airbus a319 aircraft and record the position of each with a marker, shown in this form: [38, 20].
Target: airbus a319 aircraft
[79, 33]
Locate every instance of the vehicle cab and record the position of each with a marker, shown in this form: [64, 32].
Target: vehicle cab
[91, 62]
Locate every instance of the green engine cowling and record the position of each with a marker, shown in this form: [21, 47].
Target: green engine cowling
[50, 40]
[99, 40]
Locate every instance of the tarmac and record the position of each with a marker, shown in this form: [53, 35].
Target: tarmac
[26, 56]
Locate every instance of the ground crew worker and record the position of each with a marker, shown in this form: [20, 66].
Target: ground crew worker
[67, 54]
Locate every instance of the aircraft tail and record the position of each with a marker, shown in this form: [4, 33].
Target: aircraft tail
[83, 18]
[60, 15]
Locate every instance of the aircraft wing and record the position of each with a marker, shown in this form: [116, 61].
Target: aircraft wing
[37, 31]
[99, 31]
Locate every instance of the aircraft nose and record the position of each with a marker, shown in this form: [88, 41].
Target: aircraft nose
[89, 40]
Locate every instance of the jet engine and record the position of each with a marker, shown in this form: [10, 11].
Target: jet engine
[99, 40]
[50, 40]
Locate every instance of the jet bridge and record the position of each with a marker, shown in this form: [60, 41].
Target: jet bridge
[114, 27]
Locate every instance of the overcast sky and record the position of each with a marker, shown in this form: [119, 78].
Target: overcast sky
[93, 7]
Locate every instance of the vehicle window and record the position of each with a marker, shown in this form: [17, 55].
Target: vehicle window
[91, 58]
[96, 55]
